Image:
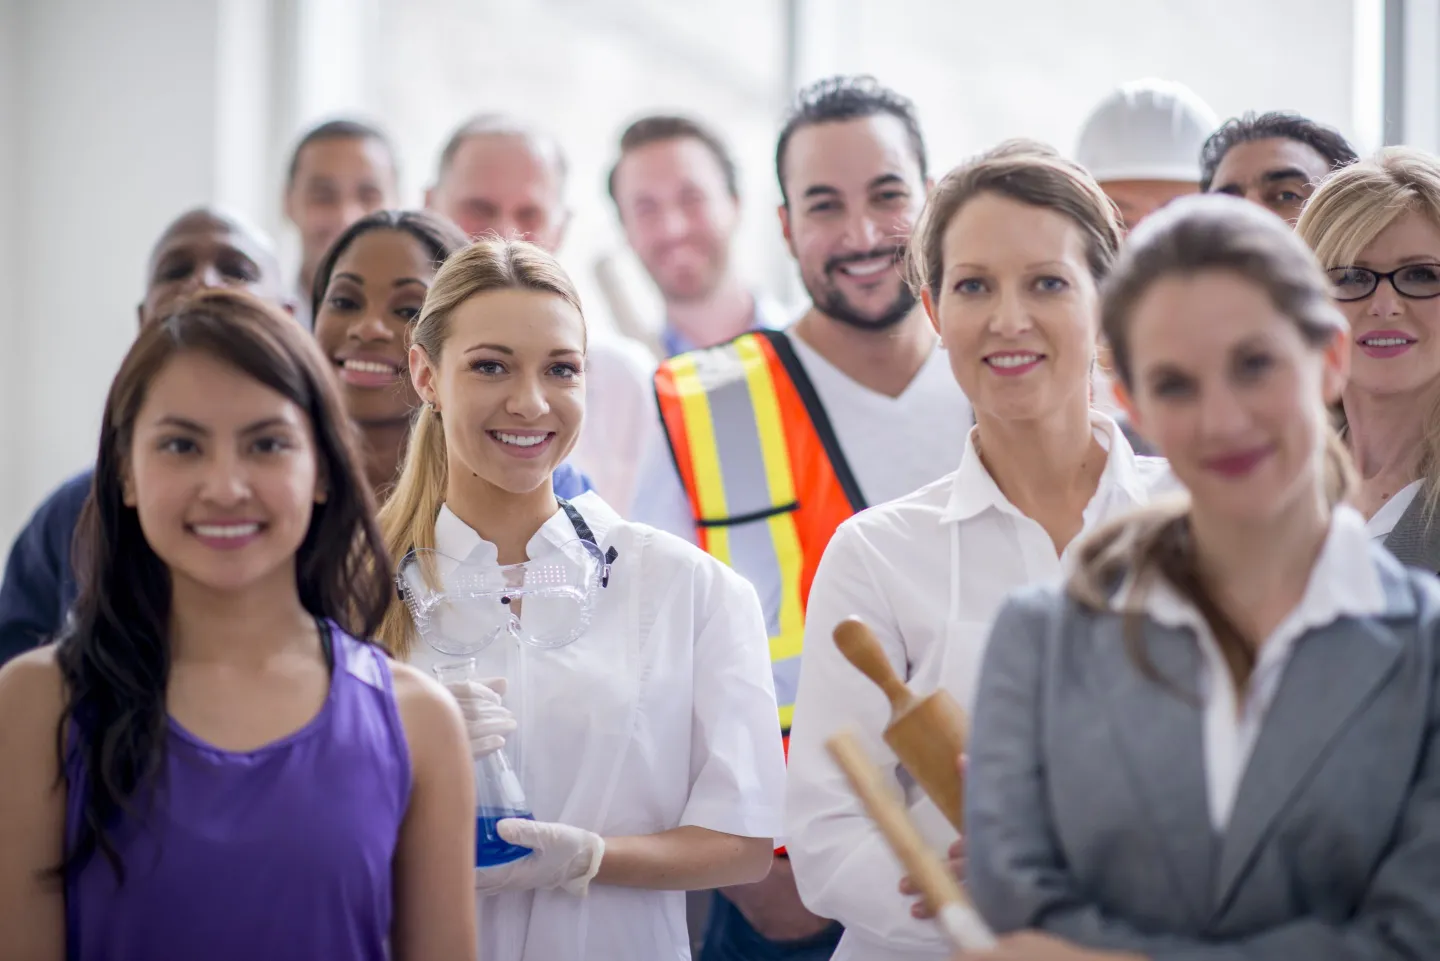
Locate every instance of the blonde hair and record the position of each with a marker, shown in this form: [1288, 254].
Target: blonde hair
[407, 521]
[1195, 235]
[1025, 171]
[1346, 214]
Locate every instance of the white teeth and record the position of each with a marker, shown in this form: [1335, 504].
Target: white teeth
[520, 440]
[868, 268]
[1012, 360]
[226, 530]
[369, 367]
[1385, 342]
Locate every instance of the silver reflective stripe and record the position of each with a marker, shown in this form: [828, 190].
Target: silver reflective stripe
[747, 488]
[787, 679]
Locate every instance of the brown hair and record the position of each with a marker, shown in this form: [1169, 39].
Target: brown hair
[660, 128]
[407, 520]
[1196, 235]
[1347, 213]
[1025, 171]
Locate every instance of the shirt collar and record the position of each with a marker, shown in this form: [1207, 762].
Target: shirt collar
[1343, 583]
[974, 491]
[459, 542]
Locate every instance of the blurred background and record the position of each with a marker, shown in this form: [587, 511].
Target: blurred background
[117, 114]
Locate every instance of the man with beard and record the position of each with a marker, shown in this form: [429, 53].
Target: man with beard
[770, 441]
[677, 191]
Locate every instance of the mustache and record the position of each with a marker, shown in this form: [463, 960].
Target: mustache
[896, 253]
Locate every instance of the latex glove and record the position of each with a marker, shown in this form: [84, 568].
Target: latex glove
[563, 857]
[487, 720]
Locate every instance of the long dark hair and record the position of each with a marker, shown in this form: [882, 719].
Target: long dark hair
[435, 233]
[115, 651]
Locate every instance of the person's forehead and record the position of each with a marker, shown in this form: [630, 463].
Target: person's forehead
[1254, 158]
[342, 156]
[500, 159]
[842, 153]
[207, 236]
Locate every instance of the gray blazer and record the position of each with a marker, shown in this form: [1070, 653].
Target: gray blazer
[1414, 540]
[1086, 805]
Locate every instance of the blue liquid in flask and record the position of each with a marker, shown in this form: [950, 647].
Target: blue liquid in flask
[490, 848]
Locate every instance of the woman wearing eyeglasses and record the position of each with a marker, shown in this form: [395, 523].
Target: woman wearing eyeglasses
[1375, 226]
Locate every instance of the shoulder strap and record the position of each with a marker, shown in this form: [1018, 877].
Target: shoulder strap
[785, 351]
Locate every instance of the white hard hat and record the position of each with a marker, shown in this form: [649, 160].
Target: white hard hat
[1146, 130]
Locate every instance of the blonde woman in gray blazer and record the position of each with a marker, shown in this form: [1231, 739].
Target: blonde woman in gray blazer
[1220, 739]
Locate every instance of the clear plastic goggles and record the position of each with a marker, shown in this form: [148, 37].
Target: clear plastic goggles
[460, 608]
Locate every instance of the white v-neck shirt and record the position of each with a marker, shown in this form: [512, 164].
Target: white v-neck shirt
[894, 445]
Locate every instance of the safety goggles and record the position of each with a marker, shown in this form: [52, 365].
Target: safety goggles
[462, 607]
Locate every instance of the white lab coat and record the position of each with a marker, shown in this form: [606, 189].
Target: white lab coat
[661, 715]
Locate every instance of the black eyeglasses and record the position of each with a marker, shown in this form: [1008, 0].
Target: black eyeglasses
[1416, 281]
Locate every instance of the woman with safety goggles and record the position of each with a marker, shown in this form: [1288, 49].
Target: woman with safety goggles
[1375, 226]
[639, 711]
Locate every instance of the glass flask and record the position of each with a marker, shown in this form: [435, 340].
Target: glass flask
[498, 794]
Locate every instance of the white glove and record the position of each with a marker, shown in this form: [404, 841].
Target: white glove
[563, 857]
[487, 721]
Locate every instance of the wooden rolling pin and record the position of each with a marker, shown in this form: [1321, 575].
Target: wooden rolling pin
[962, 925]
[927, 734]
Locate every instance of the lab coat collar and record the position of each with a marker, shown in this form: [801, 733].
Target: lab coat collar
[974, 491]
[458, 541]
[1343, 583]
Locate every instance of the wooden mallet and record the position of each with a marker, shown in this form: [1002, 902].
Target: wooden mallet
[927, 733]
[964, 927]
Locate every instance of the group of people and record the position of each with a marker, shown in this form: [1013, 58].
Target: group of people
[1145, 480]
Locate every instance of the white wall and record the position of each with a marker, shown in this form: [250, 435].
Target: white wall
[115, 115]
[11, 359]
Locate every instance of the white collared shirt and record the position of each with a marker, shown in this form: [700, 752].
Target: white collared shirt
[661, 715]
[894, 566]
[1343, 583]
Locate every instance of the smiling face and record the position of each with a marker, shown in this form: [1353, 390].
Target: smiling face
[678, 214]
[509, 385]
[223, 473]
[855, 190]
[337, 181]
[1228, 389]
[376, 291]
[1017, 309]
[1276, 173]
[1397, 338]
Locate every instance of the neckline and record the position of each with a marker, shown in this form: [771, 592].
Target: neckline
[329, 637]
[811, 357]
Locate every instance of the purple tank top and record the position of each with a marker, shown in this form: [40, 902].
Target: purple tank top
[276, 854]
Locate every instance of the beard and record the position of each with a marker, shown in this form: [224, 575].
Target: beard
[830, 300]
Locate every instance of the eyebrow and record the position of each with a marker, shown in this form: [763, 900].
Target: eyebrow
[1284, 173]
[821, 190]
[399, 281]
[885, 180]
[510, 352]
[171, 420]
[1402, 262]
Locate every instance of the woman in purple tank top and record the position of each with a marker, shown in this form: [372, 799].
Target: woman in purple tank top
[209, 764]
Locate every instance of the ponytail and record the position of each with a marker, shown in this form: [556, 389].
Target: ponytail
[407, 521]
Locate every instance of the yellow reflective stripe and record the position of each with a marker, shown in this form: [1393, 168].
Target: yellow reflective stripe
[787, 715]
[704, 454]
[781, 479]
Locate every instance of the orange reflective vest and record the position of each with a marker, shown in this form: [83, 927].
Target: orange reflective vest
[767, 482]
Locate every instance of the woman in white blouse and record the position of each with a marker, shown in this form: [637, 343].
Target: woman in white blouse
[1375, 226]
[1008, 258]
[1221, 739]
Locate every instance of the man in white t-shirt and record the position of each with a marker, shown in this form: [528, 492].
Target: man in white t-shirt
[499, 175]
[767, 443]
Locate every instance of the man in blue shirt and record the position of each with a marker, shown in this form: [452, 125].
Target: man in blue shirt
[202, 249]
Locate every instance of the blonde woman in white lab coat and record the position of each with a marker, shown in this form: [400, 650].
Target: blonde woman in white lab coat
[1008, 255]
[649, 747]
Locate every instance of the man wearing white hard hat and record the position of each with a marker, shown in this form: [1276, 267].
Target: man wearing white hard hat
[1142, 144]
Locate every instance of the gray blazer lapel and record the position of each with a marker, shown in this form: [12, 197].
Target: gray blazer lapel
[1160, 734]
[1413, 541]
[1333, 674]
